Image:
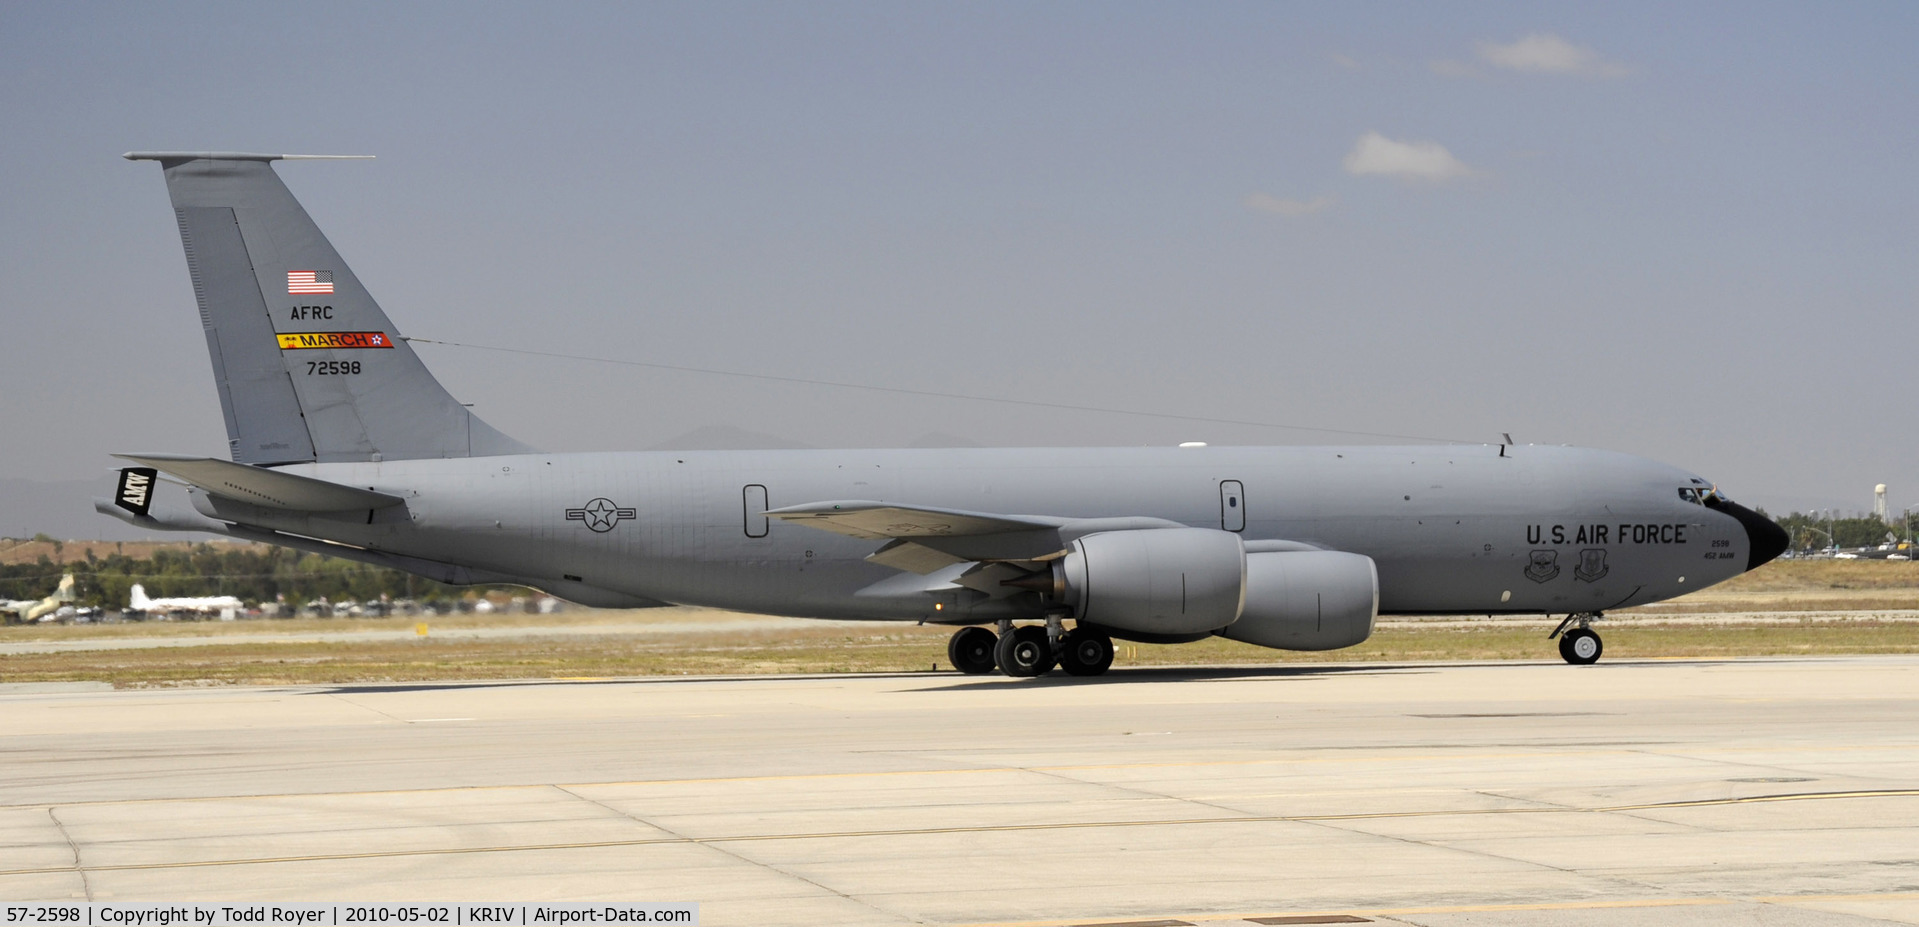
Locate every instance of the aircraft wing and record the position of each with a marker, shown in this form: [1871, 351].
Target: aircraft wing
[266, 488]
[928, 540]
[875, 521]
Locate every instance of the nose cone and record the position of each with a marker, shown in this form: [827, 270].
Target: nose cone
[1766, 538]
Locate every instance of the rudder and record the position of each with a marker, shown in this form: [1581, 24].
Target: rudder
[309, 368]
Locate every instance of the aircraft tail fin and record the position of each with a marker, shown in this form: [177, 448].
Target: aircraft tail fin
[138, 600]
[308, 366]
[64, 593]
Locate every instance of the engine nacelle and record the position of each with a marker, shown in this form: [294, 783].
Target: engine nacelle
[1158, 581]
[1307, 600]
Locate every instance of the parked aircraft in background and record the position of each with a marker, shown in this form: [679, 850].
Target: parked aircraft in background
[342, 443]
[204, 605]
[35, 609]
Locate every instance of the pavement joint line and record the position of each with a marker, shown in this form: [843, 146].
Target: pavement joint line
[808, 777]
[1621, 883]
[769, 867]
[803, 777]
[934, 831]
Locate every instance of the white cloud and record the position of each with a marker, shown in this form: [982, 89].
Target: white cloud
[1376, 154]
[1549, 54]
[1266, 202]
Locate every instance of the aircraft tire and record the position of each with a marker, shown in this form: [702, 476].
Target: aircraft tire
[1085, 653]
[1024, 651]
[1580, 647]
[971, 651]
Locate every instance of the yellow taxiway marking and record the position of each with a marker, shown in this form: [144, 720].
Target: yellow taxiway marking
[975, 829]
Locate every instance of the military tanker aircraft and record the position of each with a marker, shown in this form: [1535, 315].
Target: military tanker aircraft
[341, 442]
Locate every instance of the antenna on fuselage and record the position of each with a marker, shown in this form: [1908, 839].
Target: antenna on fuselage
[1508, 439]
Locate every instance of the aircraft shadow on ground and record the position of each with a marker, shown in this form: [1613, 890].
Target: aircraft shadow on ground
[1164, 674]
[950, 679]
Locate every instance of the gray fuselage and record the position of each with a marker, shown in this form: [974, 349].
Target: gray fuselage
[1452, 529]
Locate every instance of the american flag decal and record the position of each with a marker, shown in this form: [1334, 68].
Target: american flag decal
[309, 281]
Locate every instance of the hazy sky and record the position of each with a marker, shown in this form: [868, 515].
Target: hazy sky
[1679, 230]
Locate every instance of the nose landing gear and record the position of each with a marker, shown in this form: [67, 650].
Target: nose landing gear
[1580, 646]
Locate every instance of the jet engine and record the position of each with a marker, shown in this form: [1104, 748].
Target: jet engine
[1183, 583]
[1165, 581]
[1307, 600]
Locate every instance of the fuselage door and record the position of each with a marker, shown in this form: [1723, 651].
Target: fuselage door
[754, 508]
[1232, 505]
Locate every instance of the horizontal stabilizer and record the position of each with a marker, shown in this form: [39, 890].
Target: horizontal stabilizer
[233, 156]
[266, 488]
[879, 520]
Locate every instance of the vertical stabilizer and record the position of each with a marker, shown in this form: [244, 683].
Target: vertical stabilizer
[308, 366]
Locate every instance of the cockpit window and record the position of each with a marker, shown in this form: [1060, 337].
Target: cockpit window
[1690, 495]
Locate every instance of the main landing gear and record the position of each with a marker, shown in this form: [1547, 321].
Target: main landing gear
[1030, 650]
[1580, 646]
[971, 651]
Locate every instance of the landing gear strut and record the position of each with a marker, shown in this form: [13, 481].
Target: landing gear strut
[1580, 646]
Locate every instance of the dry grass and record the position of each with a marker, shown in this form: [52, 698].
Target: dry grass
[1805, 585]
[702, 642]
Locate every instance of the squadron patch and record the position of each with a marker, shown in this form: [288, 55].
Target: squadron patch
[1542, 565]
[1592, 565]
[293, 341]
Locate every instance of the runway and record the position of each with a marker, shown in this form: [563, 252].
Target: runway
[1718, 792]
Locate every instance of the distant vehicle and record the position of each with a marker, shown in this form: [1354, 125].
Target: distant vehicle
[35, 609]
[75, 614]
[225, 606]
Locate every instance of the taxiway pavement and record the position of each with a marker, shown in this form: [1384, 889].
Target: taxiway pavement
[1698, 791]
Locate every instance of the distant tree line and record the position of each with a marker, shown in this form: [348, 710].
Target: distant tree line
[257, 573]
[1814, 531]
[263, 573]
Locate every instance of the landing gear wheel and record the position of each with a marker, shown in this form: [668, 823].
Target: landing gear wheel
[1580, 647]
[1024, 651]
[1085, 653]
[971, 651]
